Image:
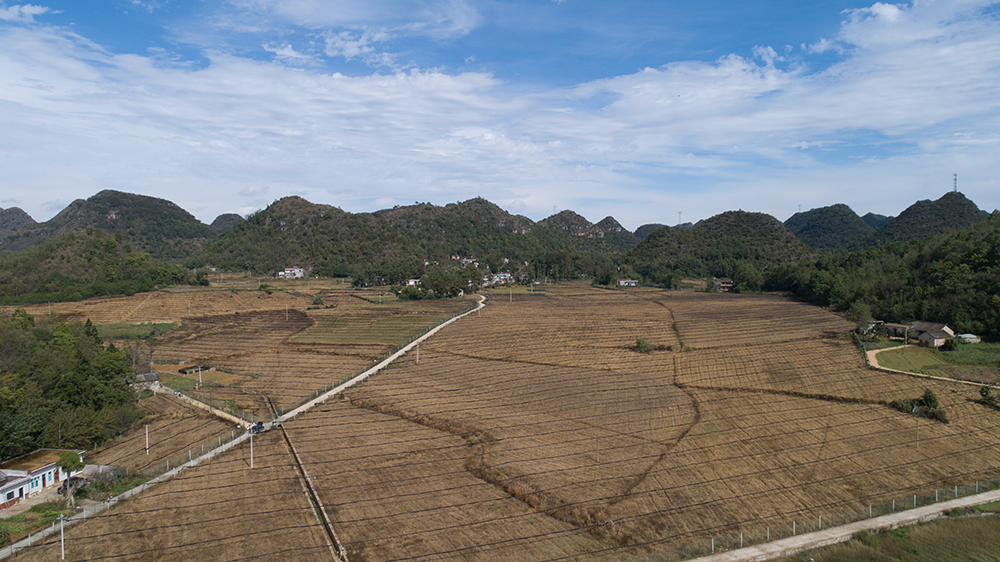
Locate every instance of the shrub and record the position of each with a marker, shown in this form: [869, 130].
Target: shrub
[642, 346]
[4, 535]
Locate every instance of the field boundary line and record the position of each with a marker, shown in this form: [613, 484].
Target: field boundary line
[322, 398]
[336, 547]
[874, 364]
[26, 542]
[210, 409]
[792, 545]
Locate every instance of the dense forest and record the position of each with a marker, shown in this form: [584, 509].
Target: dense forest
[78, 266]
[952, 277]
[60, 387]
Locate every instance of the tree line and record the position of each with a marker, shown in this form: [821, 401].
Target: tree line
[60, 387]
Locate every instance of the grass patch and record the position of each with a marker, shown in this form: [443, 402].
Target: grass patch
[177, 381]
[992, 507]
[911, 359]
[129, 331]
[972, 354]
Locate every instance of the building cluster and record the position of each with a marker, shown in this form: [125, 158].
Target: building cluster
[927, 334]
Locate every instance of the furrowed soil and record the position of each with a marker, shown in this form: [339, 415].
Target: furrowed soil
[750, 412]
[536, 429]
[220, 510]
[174, 429]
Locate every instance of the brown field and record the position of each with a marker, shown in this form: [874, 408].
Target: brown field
[535, 430]
[767, 416]
[399, 490]
[220, 510]
[163, 306]
[174, 429]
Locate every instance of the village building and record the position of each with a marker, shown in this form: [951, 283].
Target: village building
[28, 475]
[724, 285]
[292, 273]
[628, 283]
[927, 334]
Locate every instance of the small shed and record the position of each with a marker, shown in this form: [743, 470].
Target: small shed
[969, 338]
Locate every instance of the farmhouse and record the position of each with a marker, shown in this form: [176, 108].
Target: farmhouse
[928, 334]
[292, 273]
[628, 283]
[28, 475]
[724, 285]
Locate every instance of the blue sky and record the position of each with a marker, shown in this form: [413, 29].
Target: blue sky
[636, 109]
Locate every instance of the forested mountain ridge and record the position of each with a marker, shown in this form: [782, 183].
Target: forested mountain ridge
[156, 226]
[828, 228]
[81, 265]
[952, 277]
[951, 212]
[398, 241]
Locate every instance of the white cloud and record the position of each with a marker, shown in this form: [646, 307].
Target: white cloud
[352, 44]
[287, 53]
[21, 13]
[916, 79]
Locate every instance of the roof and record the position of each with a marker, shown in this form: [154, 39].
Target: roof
[148, 377]
[34, 461]
[936, 334]
[928, 326]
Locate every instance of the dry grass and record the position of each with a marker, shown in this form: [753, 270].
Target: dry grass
[220, 510]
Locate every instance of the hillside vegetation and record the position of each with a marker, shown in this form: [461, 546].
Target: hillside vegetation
[77, 266]
[60, 387]
[155, 226]
[953, 278]
[719, 247]
[826, 228]
[394, 244]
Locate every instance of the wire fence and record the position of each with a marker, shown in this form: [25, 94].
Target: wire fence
[195, 451]
[762, 532]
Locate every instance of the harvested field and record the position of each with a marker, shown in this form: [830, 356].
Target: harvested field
[174, 429]
[163, 306]
[288, 373]
[220, 510]
[210, 338]
[399, 490]
[357, 321]
[767, 415]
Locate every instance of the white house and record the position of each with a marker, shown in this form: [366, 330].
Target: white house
[28, 475]
[628, 283]
[292, 273]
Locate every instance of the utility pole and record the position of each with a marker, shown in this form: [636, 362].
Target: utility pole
[956, 183]
[147, 439]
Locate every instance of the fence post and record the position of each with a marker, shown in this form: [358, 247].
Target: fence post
[893, 506]
[713, 545]
[793, 528]
[820, 523]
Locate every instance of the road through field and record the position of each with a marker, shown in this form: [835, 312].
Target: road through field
[833, 535]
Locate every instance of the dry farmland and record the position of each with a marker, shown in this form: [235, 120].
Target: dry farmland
[174, 429]
[221, 510]
[750, 412]
[535, 430]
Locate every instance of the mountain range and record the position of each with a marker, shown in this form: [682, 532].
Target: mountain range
[331, 241]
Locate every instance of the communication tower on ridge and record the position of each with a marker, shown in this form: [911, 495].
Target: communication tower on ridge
[956, 183]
